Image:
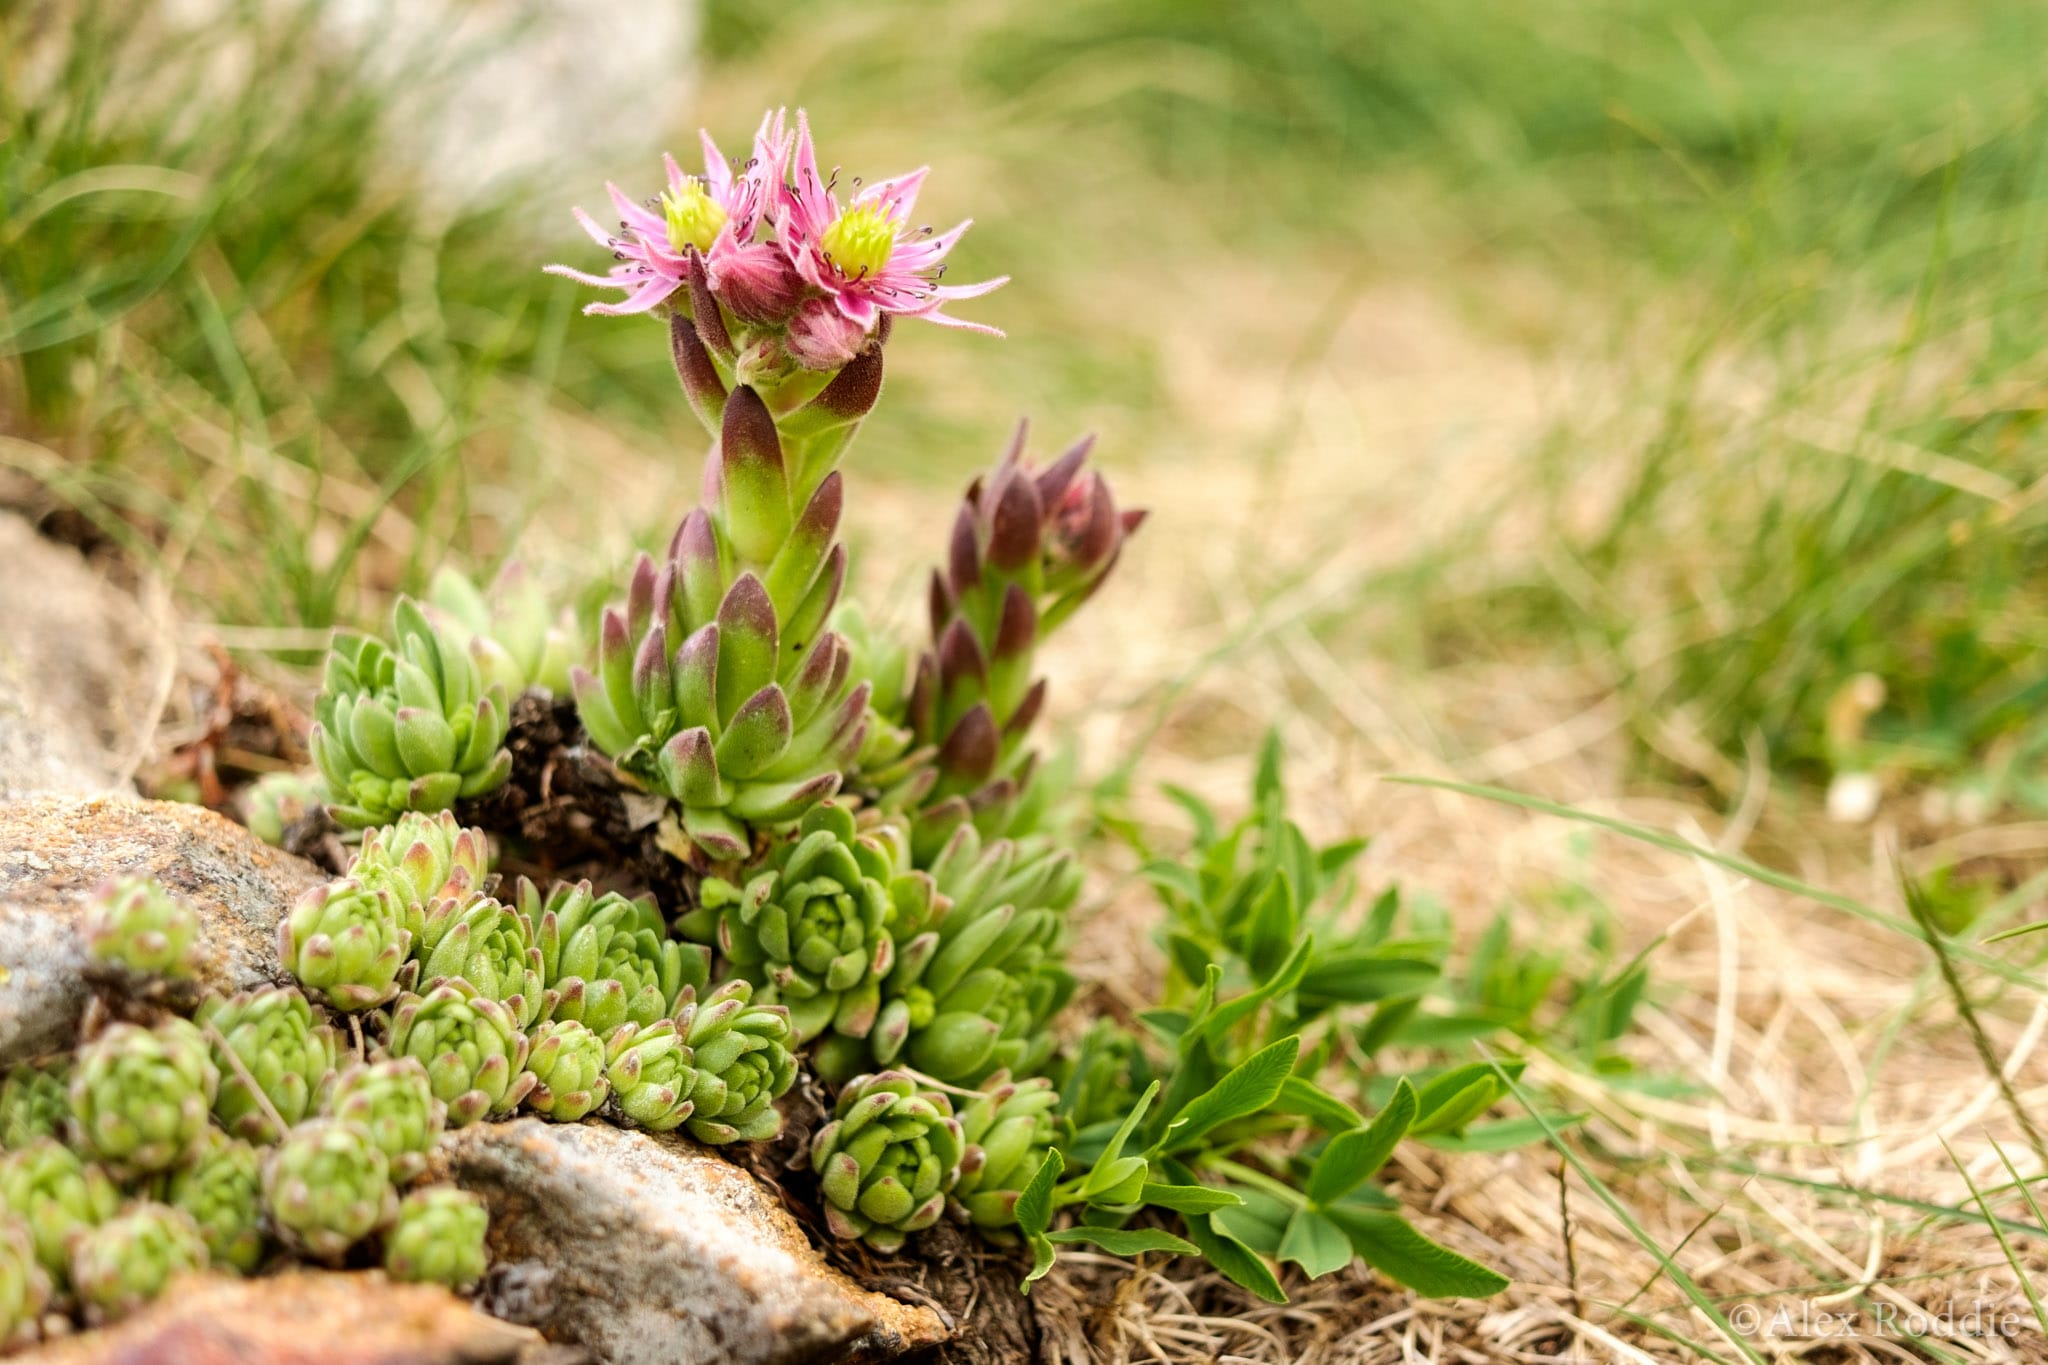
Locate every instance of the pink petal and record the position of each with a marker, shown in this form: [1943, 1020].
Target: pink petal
[717, 172]
[569, 272]
[642, 300]
[897, 195]
[969, 291]
[597, 234]
[637, 217]
[857, 308]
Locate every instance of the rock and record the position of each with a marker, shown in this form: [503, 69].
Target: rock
[55, 851]
[81, 671]
[303, 1317]
[647, 1250]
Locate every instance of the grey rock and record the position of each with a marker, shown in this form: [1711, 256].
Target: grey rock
[81, 671]
[57, 851]
[645, 1249]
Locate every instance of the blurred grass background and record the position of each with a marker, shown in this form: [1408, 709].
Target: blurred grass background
[1792, 259]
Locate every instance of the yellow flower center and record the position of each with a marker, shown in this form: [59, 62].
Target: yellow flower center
[859, 241]
[694, 217]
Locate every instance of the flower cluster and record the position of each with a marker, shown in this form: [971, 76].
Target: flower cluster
[774, 270]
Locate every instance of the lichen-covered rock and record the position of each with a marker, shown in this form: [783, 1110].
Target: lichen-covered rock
[299, 1318]
[646, 1250]
[80, 669]
[57, 851]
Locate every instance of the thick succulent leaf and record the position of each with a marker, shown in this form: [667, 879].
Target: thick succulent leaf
[747, 643]
[754, 484]
[756, 736]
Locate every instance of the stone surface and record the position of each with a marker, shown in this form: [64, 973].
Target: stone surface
[81, 671]
[303, 1318]
[55, 851]
[647, 1250]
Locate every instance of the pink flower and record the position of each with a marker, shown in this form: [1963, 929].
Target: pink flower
[821, 337]
[867, 258]
[715, 215]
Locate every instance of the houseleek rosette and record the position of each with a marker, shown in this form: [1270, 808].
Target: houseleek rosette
[973, 993]
[138, 925]
[814, 928]
[438, 1238]
[1029, 546]
[24, 1285]
[56, 1193]
[346, 943]
[471, 1046]
[718, 1066]
[406, 726]
[222, 1190]
[567, 1063]
[392, 1100]
[142, 1096]
[717, 683]
[326, 1187]
[887, 1159]
[514, 632]
[1008, 1129]
[489, 945]
[268, 1036]
[127, 1261]
[608, 960]
[35, 1101]
[430, 864]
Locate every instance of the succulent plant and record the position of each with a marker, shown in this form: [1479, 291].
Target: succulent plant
[740, 1049]
[438, 1238]
[326, 1187]
[35, 1101]
[719, 1065]
[270, 1036]
[514, 633]
[1008, 1129]
[430, 864]
[567, 1063]
[489, 945]
[392, 1100]
[973, 992]
[222, 1190]
[470, 1044]
[141, 1096]
[276, 801]
[24, 1284]
[407, 726]
[887, 1159]
[607, 960]
[56, 1192]
[717, 682]
[651, 1075]
[346, 942]
[814, 928]
[124, 1263]
[1028, 548]
[138, 925]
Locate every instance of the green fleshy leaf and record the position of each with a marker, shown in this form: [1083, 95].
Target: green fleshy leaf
[1388, 1244]
[1354, 1156]
[1131, 1241]
[1315, 1244]
[1244, 1090]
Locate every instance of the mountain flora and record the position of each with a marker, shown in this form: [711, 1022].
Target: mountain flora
[126, 1261]
[408, 726]
[136, 924]
[817, 847]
